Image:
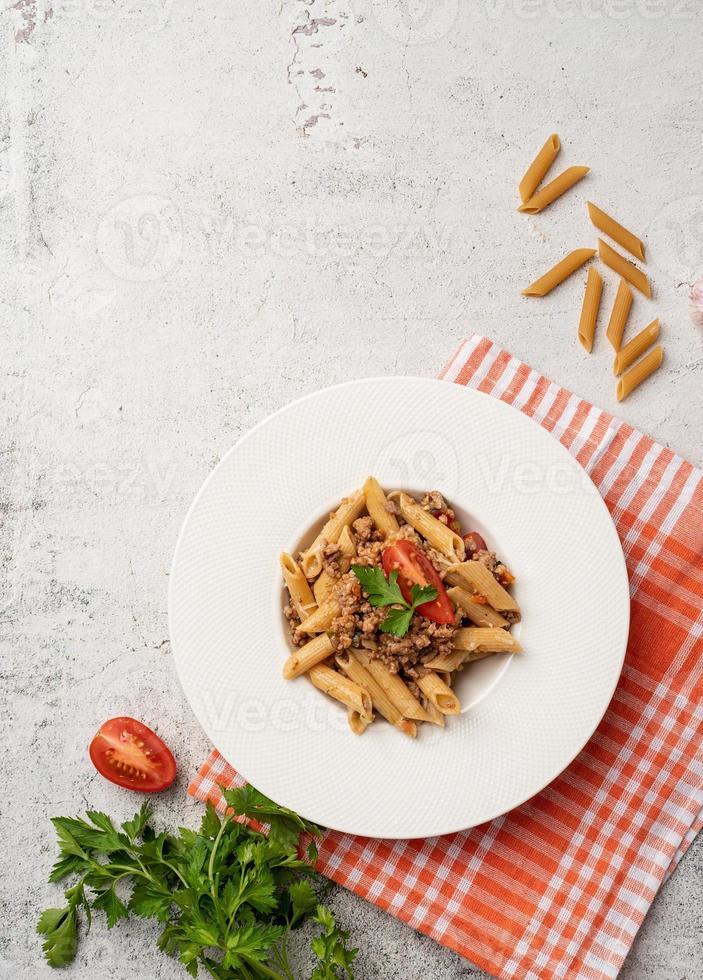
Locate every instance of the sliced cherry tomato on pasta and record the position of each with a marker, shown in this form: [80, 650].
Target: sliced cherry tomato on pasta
[415, 568]
[474, 542]
[131, 755]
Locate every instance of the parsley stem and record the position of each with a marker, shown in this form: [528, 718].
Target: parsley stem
[262, 968]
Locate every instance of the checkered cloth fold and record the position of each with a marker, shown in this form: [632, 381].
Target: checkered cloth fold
[559, 886]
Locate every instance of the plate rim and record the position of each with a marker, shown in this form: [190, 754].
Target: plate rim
[506, 407]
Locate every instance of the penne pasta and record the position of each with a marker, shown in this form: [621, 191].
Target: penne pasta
[376, 506]
[624, 268]
[347, 512]
[311, 653]
[479, 613]
[458, 658]
[435, 715]
[341, 688]
[609, 226]
[356, 723]
[485, 639]
[619, 315]
[323, 617]
[628, 354]
[439, 535]
[477, 578]
[394, 686]
[324, 583]
[561, 271]
[553, 190]
[301, 597]
[639, 372]
[537, 170]
[439, 694]
[589, 310]
[347, 662]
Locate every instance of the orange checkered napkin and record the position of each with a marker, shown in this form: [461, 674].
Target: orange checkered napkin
[559, 886]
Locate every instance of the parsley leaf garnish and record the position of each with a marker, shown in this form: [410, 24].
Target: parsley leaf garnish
[382, 591]
[227, 895]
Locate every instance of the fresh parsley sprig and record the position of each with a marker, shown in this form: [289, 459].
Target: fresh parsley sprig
[382, 591]
[227, 895]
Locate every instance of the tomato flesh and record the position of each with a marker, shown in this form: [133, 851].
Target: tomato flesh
[415, 568]
[132, 756]
[474, 542]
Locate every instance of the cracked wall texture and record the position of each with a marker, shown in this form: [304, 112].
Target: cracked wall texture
[210, 209]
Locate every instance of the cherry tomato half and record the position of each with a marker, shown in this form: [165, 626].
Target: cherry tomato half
[474, 542]
[415, 568]
[131, 755]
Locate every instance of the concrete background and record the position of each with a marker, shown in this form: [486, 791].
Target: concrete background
[209, 209]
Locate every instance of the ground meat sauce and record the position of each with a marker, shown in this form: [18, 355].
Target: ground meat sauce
[357, 624]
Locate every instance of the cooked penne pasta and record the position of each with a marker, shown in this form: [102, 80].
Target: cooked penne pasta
[458, 658]
[484, 638]
[370, 639]
[341, 688]
[301, 597]
[439, 535]
[624, 268]
[537, 170]
[322, 618]
[440, 695]
[376, 506]
[394, 686]
[480, 613]
[609, 226]
[347, 662]
[554, 189]
[619, 315]
[589, 310]
[639, 372]
[347, 512]
[356, 723]
[628, 354]
[305, 657]
[475, 576]
[324, 583]
[561, 271]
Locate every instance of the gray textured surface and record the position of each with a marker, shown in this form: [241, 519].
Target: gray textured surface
[209, 209]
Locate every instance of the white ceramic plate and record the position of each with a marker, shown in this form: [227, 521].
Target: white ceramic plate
[525, 717]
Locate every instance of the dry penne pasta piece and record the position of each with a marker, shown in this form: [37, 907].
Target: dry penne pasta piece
[619, 315]
[395, 687]
[589, 309]
[477, 578]
[322, 618]
[609, 226]
[347, 662]
[439, 535]
[485, 638]
[324, 583]
[356, 723]
[435, 715]
[301, 597]
[624, 268]
[458, 658]
[347, 512]
[479, 613]
[311, 653]
[441, 696]
[342, 689]
[376, 506]
[639, 372]
[554, 189]
[628, 354]
[538, 168]
[558, 273]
